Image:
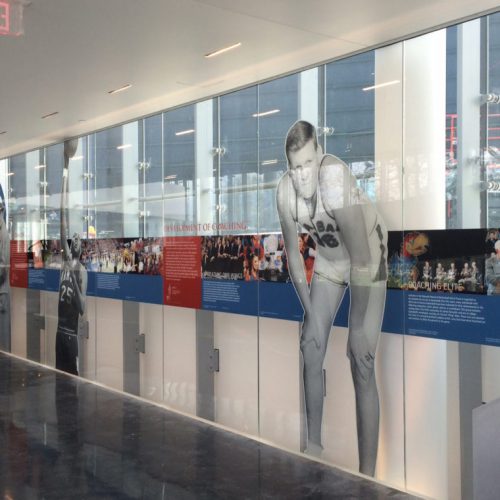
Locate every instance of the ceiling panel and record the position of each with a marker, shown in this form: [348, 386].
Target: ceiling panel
[72, 53]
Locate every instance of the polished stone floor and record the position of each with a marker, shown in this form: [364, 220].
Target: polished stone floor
[65, 438]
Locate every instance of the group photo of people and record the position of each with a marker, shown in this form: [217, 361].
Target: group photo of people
[136, 256]
[453, 263]
[252, 257]
[492, 262]
[126, 255]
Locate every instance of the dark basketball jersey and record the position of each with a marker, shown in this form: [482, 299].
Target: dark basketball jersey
[68, 309]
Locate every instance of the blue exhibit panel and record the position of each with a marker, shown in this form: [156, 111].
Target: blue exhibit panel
[239, 297]
[134, 287]
[460, 317]
[44, 279]
[279, 300]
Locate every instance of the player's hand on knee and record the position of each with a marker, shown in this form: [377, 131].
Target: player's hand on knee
[361, 355]
[310, 332]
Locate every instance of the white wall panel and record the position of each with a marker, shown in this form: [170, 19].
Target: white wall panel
[151, 362]
[179, 330]
[339, 413]
[280, 382]
[109, 338]
[236, 384]
[491, 372]
[18, 321]
[389, 369]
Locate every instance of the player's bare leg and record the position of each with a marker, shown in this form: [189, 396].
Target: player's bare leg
[365, 320]
[325, 297]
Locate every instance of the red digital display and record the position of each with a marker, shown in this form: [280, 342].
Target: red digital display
[4, 18]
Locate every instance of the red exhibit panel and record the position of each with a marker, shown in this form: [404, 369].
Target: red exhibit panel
[182, 271]
[19, 264]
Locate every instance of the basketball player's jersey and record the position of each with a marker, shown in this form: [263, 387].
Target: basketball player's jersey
[332, 258]
[67, 310]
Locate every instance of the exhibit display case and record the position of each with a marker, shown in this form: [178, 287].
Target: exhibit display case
[312, 260]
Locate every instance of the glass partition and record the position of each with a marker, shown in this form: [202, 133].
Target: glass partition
[311, 260]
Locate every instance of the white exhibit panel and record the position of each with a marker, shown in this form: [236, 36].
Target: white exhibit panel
[109, 342]
[236, 383]
[431, 410]
[339, 436]
[151, 361]
[279, 382]
[389, 370]
[18, 321]
[179, 352]
[490, 373]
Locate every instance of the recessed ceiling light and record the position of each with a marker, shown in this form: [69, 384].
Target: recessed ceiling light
[269, 162]
[124, 146]
[185, 132]
[50, 114]
[121, 89]
[380, 85]
[266, 113]
[221, 51]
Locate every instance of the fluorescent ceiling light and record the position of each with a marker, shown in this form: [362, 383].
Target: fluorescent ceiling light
[269, 162]
[380, 85]
[50, 114]
[10, 173]
[185, 132]
[124, 146]
[221, 51]
[121, 89]
[75, 158]
[38, 167]
[266, 113]
[170, 177]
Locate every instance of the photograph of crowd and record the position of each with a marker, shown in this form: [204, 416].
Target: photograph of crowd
[252, 257]
[124, 255]
[492, 262]
[450, 261]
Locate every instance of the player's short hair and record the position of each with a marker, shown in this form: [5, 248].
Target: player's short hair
[298, 136]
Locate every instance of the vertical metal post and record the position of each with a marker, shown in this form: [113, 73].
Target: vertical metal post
[131, 367]
[471, 214]
[205, 401]
[33, 324]
[468, 134]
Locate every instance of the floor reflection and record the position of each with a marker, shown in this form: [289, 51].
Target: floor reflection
[65, 438]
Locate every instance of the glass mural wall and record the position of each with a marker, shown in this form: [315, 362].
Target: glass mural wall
[198, 258]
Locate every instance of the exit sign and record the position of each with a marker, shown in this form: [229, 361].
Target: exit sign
[11, 17]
